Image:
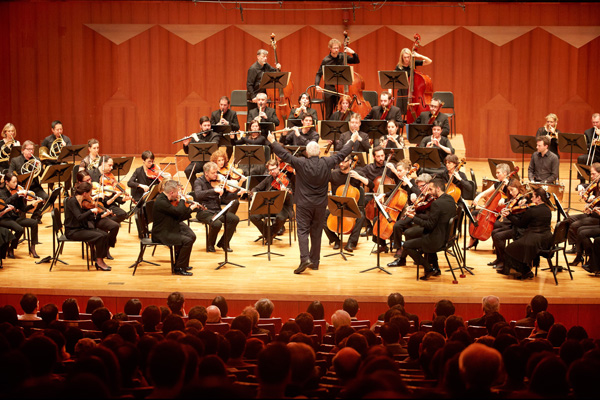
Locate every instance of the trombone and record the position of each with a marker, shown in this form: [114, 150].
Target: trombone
[595, 142]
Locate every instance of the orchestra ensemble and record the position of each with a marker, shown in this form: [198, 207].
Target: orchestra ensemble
[405, 208]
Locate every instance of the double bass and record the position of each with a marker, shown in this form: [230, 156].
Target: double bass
[420, 91]
[360, 106]
[282, 98]
[335, 224]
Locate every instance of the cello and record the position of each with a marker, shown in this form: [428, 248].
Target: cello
[451, 188]
[420, 91]
[282, 98]
[347, 224]
[355, 90]
[379, 185]
[486, 218]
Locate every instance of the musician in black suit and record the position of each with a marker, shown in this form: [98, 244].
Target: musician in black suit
[225, 115]
[263, 113]
[206, 136]
[16, 166]
[57, 133]
[590, 135]
[362, 145]
[441, 118]
[551, 131]
[386, 110]
[439, 142]
[300, 136]
[255, 73]
[304, 108]
[313, 175]
[435, 224]
[168, 226]
[333, 58]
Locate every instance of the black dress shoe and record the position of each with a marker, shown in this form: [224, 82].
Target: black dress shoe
[398, 262]
[381, 249]
[314, 267]
[336, 246]
[366, 233]
[527, 275]
[436, 272]
[302, 267]
[576, 261]
[587, 268]
[572, 250]
[227, 249]
[210, 249]
[182, 272]
[281, 231]
[428, 274]
[188, 268]
[502, 270]
[101, 268]
[10, 253]
[349, 247]
[493, 263]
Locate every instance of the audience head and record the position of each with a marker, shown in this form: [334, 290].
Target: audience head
[444, 308]
[342, 333]
[100, 316]
[402, 323]
[49, 313]
[306, 323]
[93, 303]
[133, 307]
[438, 324]
[570, 351]
[395, 298]
[549, 378]
[346, 363]
[220, 302]
[274, 364]
[175, 302]
[243, 324]
[251, 313]
[491, 320]
[172, 323]
[582, 377]
[199, 313]
[166, 365]
[317, 310]
[490, 304]
[414, 344]
[389, 333]
[577, 333]
[265, 308]
[150, 318]
[479, 366]
[350, 306]
[452, 324]
[340, 318]
[42, 354]
[237, 342]
[29, 303]
[557, 334]
[544, 320]
[514, 358]
[302, 358]
[253, 348]
[9, 314]
[213, 314]
[538, 304]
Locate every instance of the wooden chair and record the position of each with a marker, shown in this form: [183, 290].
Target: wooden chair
[217, 327]
[277, 323]
[316, 98]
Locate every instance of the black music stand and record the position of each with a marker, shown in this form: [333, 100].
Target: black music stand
[397, 154]
[265, 127]
[73, 152]
[222, 131]
[375, 128]
[523, 144]
[201, 152]
[290, 123]
[57, 173]
[299, 151]
[267, 203]
[217, 216]
[416, 132]
[380, 212]
[471, 218]
[338, 75]
[571, 143]
[15, 151]
[494, 162]
[584, 170]
[122, 165]
[426, 157]
[49, 203]
[331, 130]
[274, 80]
[250, 154]
[361, 157]
[337, 205]
[393, 80]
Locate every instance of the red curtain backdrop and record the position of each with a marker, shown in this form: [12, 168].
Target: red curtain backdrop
[116, 71]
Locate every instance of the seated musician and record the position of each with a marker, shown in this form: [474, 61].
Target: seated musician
[459, 179]
[275, 181]
[360, 145]
[304, 108]
[435, 230]
[502, 172]
[16, 203]
[404, 64]
[426, 117]
[253, 137]
[24, 163]
[92, 160]
[386, 110]
[145, 176]
[220, 158]
[338, 181]
[300, 136]
[9, 134]
[536, 235]
[81, 216]
[115, 194]
[393, 140]
[263, 113]
[551, 131]
[57, 133]
[544, 164]
[225, 116]
[591, 137]
[404, 226]
[206, 135]
[169, 214]
[439, 142]
[342, 111]
[208, 191]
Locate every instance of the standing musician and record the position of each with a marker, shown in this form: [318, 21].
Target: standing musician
[385, 110]
[338, 179]
[333, 58]
[275, 181]
[439, 142]
[263, 113]
[206, 136]
[168, 227]
[537, 235]
[343, 112]
[300, 136]
[544, 164]
[225, 115]
[404, 65]
[551, 131]
[92, 160]
[361, 145]
[220, 158]
[304, 108]
[435, 230]
[9, 134]
[313, 175]
[426, 117]
[253, 137]
[57, 133]
[15, 200]
[255, 73]
[81, 214]
[591, 135]
[16, 166]
[208, 191]
[467, 187]
[392, 140]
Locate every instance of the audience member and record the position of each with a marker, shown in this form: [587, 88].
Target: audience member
[390, 336]
[432, 342]
[237, 342]
[133, 307]
[490, 304]
[101, 315]
[93, 303]
[49, 313]
[480, 366]
[166, 369]
[302, 371]
[273, 371]
[452, 324]
[351, 307]
[345, 364]
[549, 378]
[243, 324]
[198, 313]
[557, 334]
[150, 318]
[213, 315]
[537, 304]
[220, 302]
[577, 332]
[29, 304]
[265, 308]
[543, 321]
[176, 302]
[340, 318]
[70, 310]
[306, 323]
[317, 310]
[252, 314]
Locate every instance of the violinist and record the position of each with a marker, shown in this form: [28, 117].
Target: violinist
[439, 142]
[551, 131]
[144, 176]
[206, 135]
[441, 118]
[304, 108]
[404, 65]
[343, 112]
[591, 136]
[393, 140]
[80, 218]
[275, 181]
[263, 113]
[57, 133]
[335, 57]
[255, 73]
[338, 179]
[15, 199]
[386, 110]
[208, 191]
[114, 191]
[9, 134]
[168, 226]
[219, 157]
[362, 145]
[300, 136]
[536, 235]
[16, 166]
[544, 164]
[92, 160]
[253, 137]
[467, 187]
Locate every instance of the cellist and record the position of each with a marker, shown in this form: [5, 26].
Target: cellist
[404, 65]
[467, 187]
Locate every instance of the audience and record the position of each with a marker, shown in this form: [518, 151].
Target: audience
[537, 304]
[265, 308]
[490, 305]
[175, 302]
[220, 302]
[93, 303]
[29, 304]
[133, 307]
[70, 310]
[213, 314]
[340, 318]
[351, 307]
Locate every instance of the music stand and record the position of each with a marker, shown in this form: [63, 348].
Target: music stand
[362, 157]
[338, 75]
[393, 80]
[571, 143]
[337, 205]
[265, 127]
[201, 151]
[290, 123]
[49, 203]
[57, 173]
[217, 216]
[380, 212]
[274, 80]
[331, 130]
[397, 154]
[73, 152]
[523, 144]
[494, 162]
[250, 154]
[426, 157]
[584, 170]
[416, 132]
[267, 203]
[374, 128]
[15, 151]
[471, 218]
[222, 131]
[122, 165]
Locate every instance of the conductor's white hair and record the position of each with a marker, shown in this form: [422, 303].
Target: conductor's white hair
[312, 149]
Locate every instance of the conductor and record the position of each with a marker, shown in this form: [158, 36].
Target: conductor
[312, 178]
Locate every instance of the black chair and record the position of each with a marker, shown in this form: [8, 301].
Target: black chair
[316, 98]
[448, 99]
[371, 96]
[559, 243]
[59, 238]
[239, 100]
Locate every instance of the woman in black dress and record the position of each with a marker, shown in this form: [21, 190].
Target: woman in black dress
[393, 140]
[404, 65]
[342, 112]
[253, 137]
[550, 129]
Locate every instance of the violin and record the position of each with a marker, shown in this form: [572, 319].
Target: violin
[286, 167]
[236, 173]
[109, 182]
[88, 203]
[29, 196]
[188, 201]
[281, 182]
[156, 173]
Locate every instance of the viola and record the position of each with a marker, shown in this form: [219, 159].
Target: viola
[110, 182]
[286, 167]
[88, 203]
[234, 173]
[281, 182]
[29, 196]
